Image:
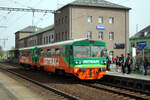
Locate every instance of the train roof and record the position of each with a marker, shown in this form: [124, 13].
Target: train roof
[68, 42]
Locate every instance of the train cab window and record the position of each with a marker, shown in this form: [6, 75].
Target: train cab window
[98, 51]
[82, 51]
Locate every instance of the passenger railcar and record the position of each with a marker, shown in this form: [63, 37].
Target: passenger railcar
[83, 58]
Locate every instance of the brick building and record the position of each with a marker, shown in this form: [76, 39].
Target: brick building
[96, 20]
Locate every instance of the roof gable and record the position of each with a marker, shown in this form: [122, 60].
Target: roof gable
[30, 29]
[141, 33]
[97, 3]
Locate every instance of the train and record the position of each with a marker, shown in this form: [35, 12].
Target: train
[83, 58]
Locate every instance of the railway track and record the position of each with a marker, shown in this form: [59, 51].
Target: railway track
[124, 94]
[57, 93]
[135, 95]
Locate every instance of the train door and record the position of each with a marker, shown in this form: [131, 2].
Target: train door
[35, 55]
[70, 55]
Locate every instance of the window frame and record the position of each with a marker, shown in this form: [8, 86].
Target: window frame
[89, 20]
[100, 19]
[100, 37]
[111, 20]
[111, 35]
[89, 35]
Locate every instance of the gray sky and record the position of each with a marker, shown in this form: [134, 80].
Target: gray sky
[139, 14]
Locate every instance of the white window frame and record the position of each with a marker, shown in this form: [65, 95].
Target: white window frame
[89, 35]
[111, 20]
[100, 19]
[100, 35]
[111, 35]
[89, 19]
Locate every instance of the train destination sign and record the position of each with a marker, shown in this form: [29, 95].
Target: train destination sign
[101, 27]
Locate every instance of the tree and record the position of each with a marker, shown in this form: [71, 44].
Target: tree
[1, 51]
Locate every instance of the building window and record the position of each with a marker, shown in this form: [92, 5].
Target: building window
[35, 42]
[46, 39]
[52, 37]
[62, 20]
[100, 19]
[111, 20]
[111, 35]
[55, 21]
[89, 19]
[59, 21]
[62, 36]
[65, 19]
[66, 36]
[89, 35]
[59, 36]
[145, 33]
[100, 35]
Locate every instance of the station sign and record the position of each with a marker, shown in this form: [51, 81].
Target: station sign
[119, 46]
[142, 44]
[101, 27]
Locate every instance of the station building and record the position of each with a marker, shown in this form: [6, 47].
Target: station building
[142, 36]
[93, 19]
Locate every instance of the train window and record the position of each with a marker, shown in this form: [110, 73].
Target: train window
[44, 53]
[81, 51]
[48, 53]
[41, 50]
[98, 51]
[63, 52]
[57, 52]
[53, 52]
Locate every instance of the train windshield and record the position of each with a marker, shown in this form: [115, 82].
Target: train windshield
[82, 51]
[98, 51]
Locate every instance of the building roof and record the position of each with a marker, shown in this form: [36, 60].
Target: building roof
[29, 29]
[41, 31]
[141, 34]
[97, 3]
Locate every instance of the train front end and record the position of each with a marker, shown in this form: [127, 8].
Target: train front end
[89, 60]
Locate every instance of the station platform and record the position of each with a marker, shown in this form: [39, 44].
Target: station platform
[137, 82]
[113, 72]
[13, 90]
[133, 76]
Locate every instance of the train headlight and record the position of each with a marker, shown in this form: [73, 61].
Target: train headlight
[76, 62]
[104, 62]
[80, 62]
